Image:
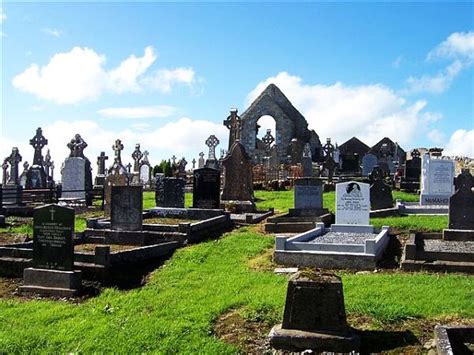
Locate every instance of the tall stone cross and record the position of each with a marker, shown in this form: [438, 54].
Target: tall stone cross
[47, 162]
[328, 148]
[194, 163]
[77, 146]
[129, 167]
[117, 148]
[38, 142]
[145, 157]
[137, 155]
[101, 163]
[173, 159]
[233, 124]
[201, 160]
[268, 139]
[52, 170]
[14, 159]
[4, 169]
[212, 142]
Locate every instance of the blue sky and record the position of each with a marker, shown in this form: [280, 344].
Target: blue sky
[166, 74]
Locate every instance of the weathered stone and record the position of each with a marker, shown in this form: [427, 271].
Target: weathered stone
[76, 178]
[308, 193]
[238, 184]
[169, 192]
[461, 204]
[126, 208]
[206, 188]
[36, 177]
[100, 177]
[380, 192]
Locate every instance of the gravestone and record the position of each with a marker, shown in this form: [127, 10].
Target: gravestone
[437, 176]
[126, 208]
[206, 188]
[76, 174]
[11, 189]
[314, 316]
[352, 203]
[53, 253]
[137, 156]
[201, 160]
[380, 192]
[22, 180]
[36, 177]
[170, 192]
[307, 161]
[100, 176]
[118, 176]
[369, 160]
[233, 123]
[413, 167]
[238, 182]
[461, 204]
[145, 170]
[212, 142]
[48, 165]
[182, 168]
[308, 193]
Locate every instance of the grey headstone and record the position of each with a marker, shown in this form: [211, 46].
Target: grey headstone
[238, 182]
[127, 208]
[461, 204]
[308, 193]
[76, 178]
[170, 192]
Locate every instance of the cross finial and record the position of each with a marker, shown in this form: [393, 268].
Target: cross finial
[38, 142]
[77, 146]
[118, 147]
[212, 142]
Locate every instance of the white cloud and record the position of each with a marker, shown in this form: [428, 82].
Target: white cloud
[138, 112]
[369, 112]
[80, 75]
[435, 84]
[53, 32]
[459, 47]
[436, 136]
[461, 143]
[163, 80]
[458, 44]
[3, 16]
[124, 77]
[184, 137]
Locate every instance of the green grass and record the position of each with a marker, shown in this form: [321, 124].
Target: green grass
[149, 200]
[175, 311]
[413, 222]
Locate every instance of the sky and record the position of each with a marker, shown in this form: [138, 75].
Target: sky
[165, 75]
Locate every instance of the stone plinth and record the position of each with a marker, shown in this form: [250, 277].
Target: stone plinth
[314, 317]
[55, 283]
[12, 195]
[76, 178]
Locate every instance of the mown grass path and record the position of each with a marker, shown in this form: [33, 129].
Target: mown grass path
[176, 310]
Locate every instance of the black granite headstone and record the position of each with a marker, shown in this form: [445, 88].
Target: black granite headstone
[127, 208]
[461, 204]
[206, 188]
[53, 230]
[170, 192]
[380, 192]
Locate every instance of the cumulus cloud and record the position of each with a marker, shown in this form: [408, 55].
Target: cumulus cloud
[458, 47]
[80, 75]
[461, 143]
[436, 136]
[339, 111]
[184, 137]
[138, 112]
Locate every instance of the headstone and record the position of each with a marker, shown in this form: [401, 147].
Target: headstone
[307, 161]
[194, 163]
[170, 192]
[127, 208]
[413, 167]
[212, 142]
[145, 172]
[308, 193]
[314, 316]
[461, 204]
[380, 192]
[11, 189]
[437, 176]
[352, 203]
[201, 161]
[36, 177]
[182, 168]
[100, 176]
[238, 182]
[5, 171]
[118, 175]
[53, 253]
[76, 175]
[137, 156]
[23, 175]
[206, 188]
[233, 123]
[369, 160]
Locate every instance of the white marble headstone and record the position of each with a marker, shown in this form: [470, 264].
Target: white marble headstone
[437, 177]
[352, 203]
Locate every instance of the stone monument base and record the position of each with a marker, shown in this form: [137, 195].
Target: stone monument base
[299, 340]
[12, 195]
[238, 206]
[52, 282]
[439, 199]
[458, 234]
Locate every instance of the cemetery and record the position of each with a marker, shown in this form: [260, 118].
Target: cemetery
[199, 258]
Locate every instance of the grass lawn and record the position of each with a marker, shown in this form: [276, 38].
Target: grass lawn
[177, 309]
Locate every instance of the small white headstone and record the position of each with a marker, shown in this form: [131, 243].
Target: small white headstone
[352, 203]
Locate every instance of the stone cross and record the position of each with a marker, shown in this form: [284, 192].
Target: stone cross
[233, 124]
[194, 163]
[415, 153]
[118, 147]
[328, 148]
[182, 166]
[47, 162]
[464, 181]
[77, 146]
[101, 163]
[212, 142]
[268, 140]
[38, 142]
[173, 159]
[14, 159]
[4, 168]
[25, 166]
[145, 156]
[201, 160]
[52, 170]
[129, 167]
[137, 155]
